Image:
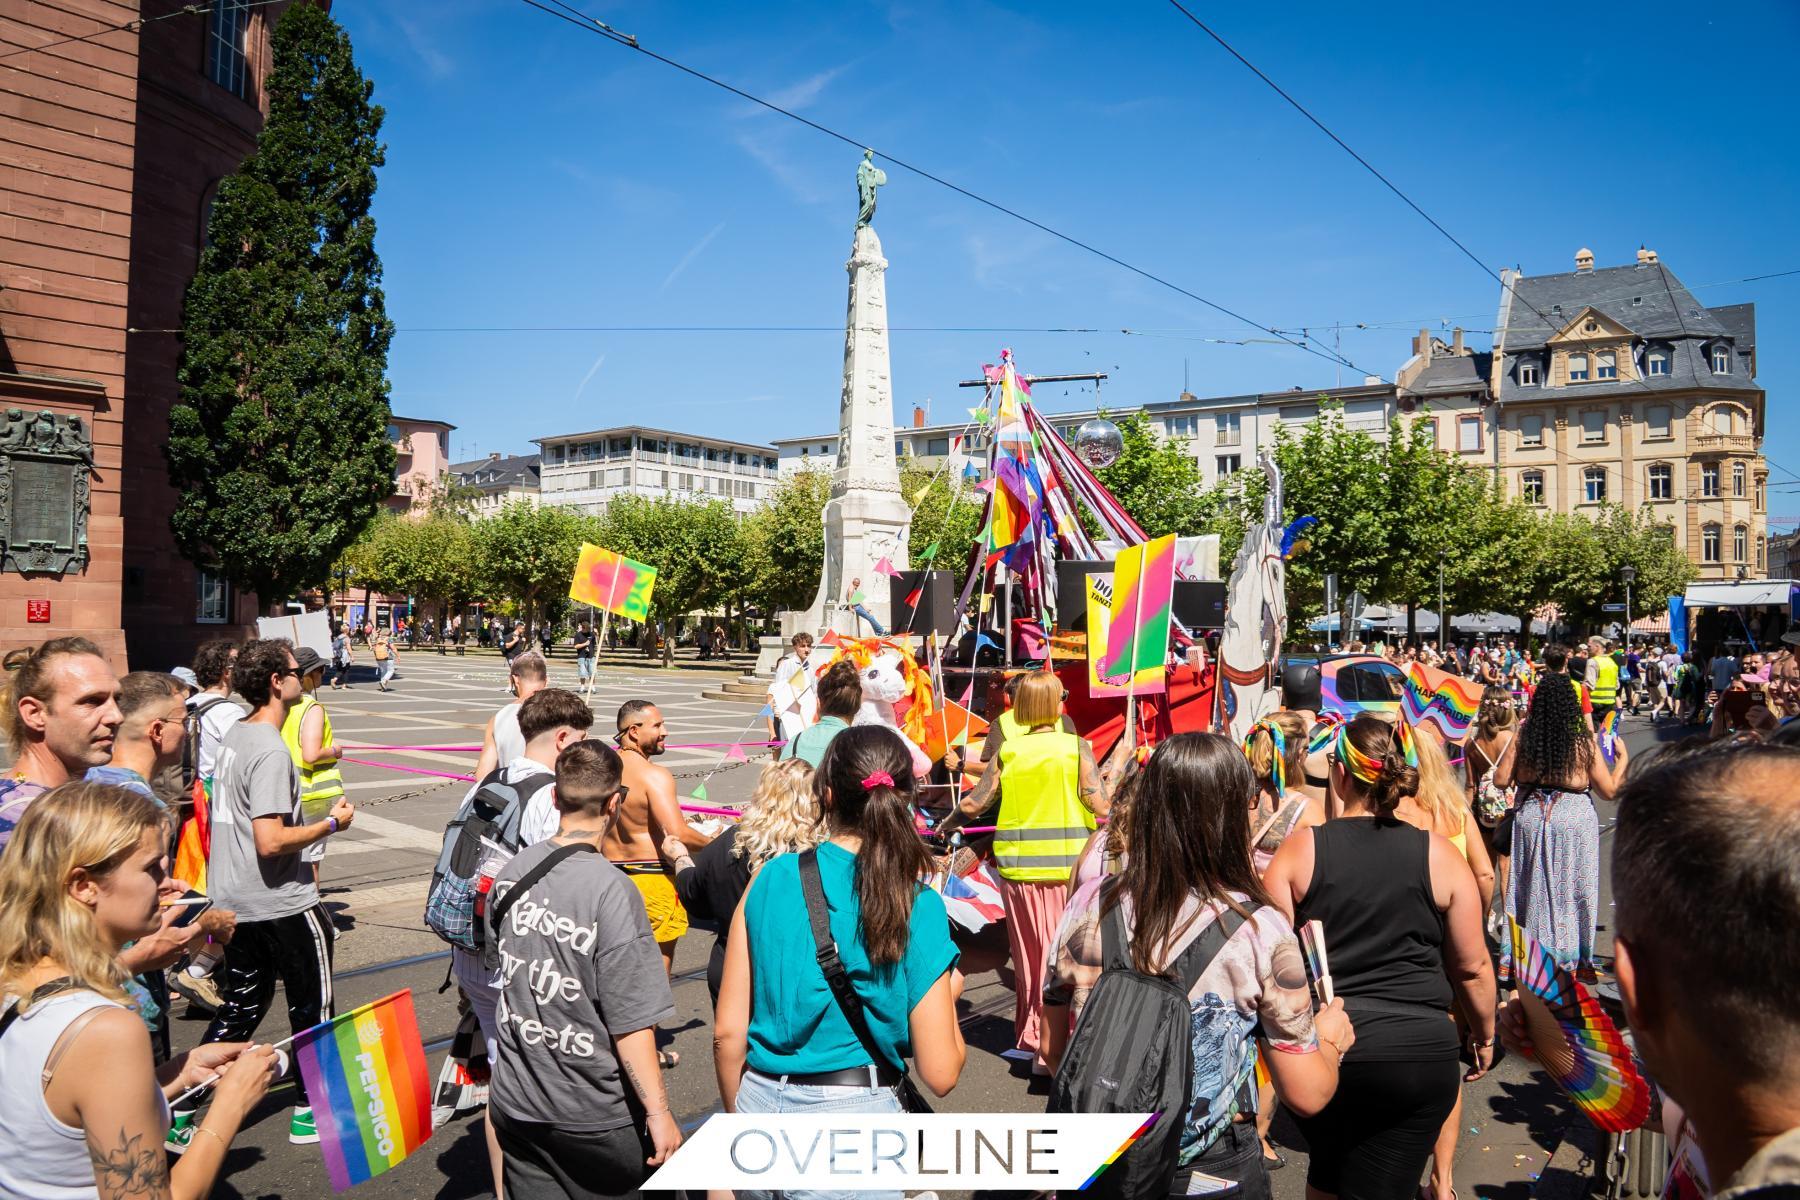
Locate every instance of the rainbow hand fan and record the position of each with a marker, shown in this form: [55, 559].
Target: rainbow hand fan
[1576, 1042]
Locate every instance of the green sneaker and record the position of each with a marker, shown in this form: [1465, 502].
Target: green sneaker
[302, 1129]
[180, 1134]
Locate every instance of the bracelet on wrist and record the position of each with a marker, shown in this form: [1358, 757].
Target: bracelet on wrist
[333, 822]
[224, 1146]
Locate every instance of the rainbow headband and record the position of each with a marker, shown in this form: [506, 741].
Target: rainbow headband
[1366, 768]
[1278, 772]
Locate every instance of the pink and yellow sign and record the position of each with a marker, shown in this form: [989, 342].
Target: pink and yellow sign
[613, 582]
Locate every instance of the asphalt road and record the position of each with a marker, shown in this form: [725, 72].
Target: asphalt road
[374, 879]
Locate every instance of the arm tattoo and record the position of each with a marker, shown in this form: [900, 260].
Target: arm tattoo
[130, 1169]
[638, 1086]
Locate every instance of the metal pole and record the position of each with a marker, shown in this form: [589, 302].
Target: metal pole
[1443, 626]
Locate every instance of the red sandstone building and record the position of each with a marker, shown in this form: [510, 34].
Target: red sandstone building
[112, 141]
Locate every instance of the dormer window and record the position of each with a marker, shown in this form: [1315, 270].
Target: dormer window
[1606, 365]
[1721, 360]
[1528, 374]
[1657, 362]
[1578, 368]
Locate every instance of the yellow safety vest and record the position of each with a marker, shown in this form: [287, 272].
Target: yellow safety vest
[1606, 680]
[319, 785]
[1042, 825]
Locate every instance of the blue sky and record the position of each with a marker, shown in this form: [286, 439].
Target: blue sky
[539, 176]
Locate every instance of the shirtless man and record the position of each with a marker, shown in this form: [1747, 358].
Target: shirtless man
[649, 813]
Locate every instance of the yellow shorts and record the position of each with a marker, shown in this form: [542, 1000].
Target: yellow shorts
[668, 920]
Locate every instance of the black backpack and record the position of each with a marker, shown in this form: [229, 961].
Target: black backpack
[491, 814]
[1132, 1052]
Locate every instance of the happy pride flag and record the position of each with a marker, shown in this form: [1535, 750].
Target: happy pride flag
[365, 1075]
[1137, 636]
[613, 582]
[1448, 701]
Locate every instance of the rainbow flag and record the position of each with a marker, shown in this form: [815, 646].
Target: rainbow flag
[1137, 636]
[1448, 701]
[194, 846]
[613, 582]
[371, 1096]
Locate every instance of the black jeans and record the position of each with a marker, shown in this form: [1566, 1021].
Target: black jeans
[544, 1162]
[295, 949]
[1236, 1156]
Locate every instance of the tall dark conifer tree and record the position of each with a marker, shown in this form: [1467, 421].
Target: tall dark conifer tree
[278, 445]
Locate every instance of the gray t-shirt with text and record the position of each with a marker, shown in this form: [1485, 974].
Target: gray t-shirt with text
[255, 777]
[578, 967]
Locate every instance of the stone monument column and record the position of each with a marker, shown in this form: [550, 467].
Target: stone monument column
[866, 518]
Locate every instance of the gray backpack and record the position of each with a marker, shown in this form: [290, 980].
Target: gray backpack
[491, 814]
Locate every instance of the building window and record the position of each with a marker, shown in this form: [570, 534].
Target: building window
[1528, 374]
[1226, 429]
[1531, 484]
[1606, 365]
[1709, 481]
[1468, 434]
[1578, 368]
[1662, 482]
[1428, 428]
[1740, 544]
[1737, 480]
[616, 476]
[1721, 420]
[212, 597]
[1762, 495]
[1656, 421]
[1531, 431]
[1593, 427]
[1183, 427]
[1227, 464]
[1709, 543]
[227, 62]
[1593, 482]
[1721, 360]
[1762, 554]
[937, 445]
[1657, 363]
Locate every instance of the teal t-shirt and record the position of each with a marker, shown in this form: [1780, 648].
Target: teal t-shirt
[796, 1026]
[809, 745]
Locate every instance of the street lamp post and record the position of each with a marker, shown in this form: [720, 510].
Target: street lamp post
[1627, 573]
[1443, 627]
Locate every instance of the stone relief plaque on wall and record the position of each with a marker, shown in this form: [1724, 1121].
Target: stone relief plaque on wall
[46, 459]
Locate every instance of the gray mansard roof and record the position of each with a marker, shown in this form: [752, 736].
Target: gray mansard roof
[515, 470]
[1454, 374]
[1646, 299]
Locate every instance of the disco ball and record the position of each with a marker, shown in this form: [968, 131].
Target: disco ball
[1098, 443]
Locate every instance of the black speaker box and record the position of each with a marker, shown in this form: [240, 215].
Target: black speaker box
[1071, 589]
[935, 603]
[1200, 604]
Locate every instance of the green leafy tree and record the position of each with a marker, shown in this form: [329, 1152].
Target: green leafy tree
[1157, 481]
[277, 447]
[527, 552]
[696, 547]
[431, 559]
[1432, 509]
[784, 542]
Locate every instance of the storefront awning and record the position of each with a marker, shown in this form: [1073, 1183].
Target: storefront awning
[1747, 593]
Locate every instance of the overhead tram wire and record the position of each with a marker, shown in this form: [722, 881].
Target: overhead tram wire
[188, 10]
[579, 19]
[1510, 288]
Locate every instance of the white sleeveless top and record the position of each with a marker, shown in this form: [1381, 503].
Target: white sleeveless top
[509, 743]
[40, 1156]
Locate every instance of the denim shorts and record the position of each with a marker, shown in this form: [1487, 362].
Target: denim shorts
[759, 1093]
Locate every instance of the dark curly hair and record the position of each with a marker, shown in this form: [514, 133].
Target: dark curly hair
[1554, 744]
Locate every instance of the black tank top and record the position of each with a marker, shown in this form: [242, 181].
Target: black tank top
[1371, 890]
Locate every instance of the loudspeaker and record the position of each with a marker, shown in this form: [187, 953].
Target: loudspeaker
[1300, 684]
[934, 607]
[1200, 604]
[1071, 589]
